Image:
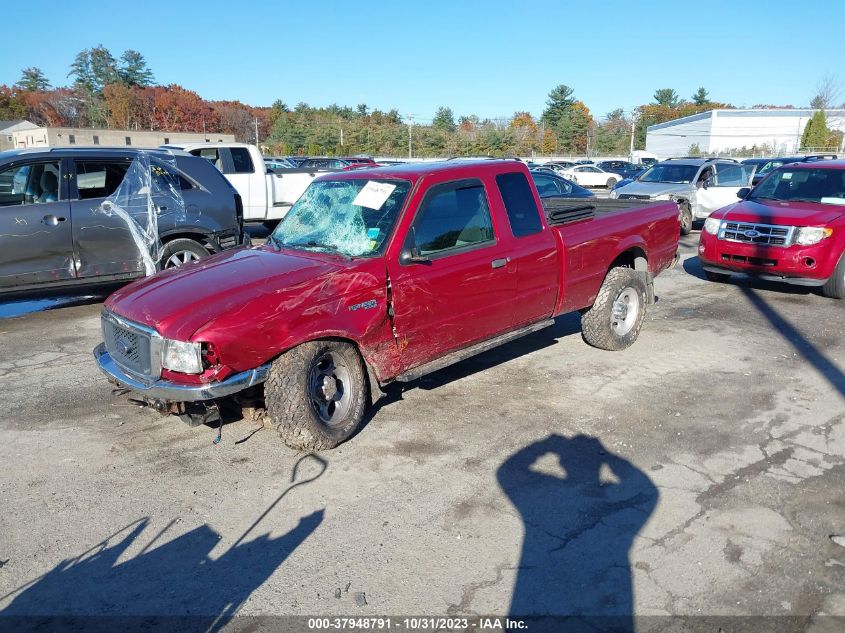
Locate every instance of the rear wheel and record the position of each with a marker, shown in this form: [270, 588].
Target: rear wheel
[686, 218]
[316, 394]
[835, 286]
[611, 182]
[615, 319]
[180, 252]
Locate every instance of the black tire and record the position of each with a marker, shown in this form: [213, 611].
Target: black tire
[686, 218]
[835, 286]
[181, 250]
[600, 324]
[717, 277]
[297, 404]
[611, 182]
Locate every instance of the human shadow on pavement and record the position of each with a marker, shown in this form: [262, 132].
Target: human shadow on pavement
[581, 506]
[174, 586]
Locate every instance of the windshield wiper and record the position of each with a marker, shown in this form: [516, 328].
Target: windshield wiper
[274, 242]
[315, 244]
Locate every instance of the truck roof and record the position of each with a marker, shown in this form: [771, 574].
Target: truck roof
[415, 171]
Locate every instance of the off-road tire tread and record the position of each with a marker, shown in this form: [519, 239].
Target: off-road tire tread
[686, 211]
[595, 320]
[288, 405]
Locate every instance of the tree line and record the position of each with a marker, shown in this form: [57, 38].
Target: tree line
[110, 92]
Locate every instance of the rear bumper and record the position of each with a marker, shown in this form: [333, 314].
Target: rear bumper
[167, 390]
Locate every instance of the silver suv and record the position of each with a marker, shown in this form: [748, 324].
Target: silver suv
[699, 185]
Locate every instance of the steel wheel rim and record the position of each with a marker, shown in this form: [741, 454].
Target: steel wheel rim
[329, 389]
[180, 258]
[624, 312]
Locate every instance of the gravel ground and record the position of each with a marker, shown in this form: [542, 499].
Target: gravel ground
[698, 473]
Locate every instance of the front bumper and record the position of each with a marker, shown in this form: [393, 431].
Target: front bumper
[800, 265]
[167, 390]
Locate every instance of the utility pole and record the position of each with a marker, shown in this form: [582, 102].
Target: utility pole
[410, 141]
[633, 127]
[255, 120]
[341, 137]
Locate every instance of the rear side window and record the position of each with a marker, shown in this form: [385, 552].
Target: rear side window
[241, 160]
[99, 179]
[453, 216]
[523, 215]
[165, 178]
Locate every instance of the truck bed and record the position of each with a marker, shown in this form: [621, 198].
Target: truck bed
[564, 211]
[593, 232]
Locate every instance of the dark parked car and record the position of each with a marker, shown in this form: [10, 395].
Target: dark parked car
[81, 216]
[622, 167]
[550, 185]
[762, 166]
[324, 163]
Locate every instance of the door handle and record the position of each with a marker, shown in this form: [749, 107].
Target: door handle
[499, 263]
[52, 220]
[161, 208]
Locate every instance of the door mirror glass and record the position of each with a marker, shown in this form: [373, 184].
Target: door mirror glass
[743, 193]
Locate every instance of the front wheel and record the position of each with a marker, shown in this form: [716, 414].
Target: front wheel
[835, 286]
[316, 394]
[686, 218]
[614, 321]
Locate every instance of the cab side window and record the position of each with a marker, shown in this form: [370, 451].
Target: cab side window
[30, 183]
[99, 178]
[453, 217]
[211, 155]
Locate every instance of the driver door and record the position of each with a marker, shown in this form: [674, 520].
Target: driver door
[720, 190]
[36, 245]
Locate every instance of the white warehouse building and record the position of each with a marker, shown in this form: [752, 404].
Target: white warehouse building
[720, 131]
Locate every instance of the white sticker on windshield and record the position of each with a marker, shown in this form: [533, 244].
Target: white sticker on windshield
[787, 175]
[374, 194]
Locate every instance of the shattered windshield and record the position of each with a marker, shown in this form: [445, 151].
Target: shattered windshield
[667, 172]
[826, 186]
[350, 217]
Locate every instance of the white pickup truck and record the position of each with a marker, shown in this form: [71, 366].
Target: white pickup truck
[267, 195]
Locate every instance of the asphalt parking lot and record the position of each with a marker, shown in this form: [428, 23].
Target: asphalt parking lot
[700, 472]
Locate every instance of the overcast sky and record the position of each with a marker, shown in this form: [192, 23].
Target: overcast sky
[487, 58]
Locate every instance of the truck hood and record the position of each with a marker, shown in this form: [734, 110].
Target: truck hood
[179, 301]
[653, 189]
[776, 212]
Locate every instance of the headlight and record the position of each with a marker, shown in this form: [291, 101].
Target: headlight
[182, 357]
[808, 235]
[613, 193]
[711, 225]
[664, 196]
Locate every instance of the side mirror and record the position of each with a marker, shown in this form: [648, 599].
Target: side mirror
[742, 194]
[408, 257]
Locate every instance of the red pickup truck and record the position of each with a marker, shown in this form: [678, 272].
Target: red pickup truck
[790, 227]
[382, 275]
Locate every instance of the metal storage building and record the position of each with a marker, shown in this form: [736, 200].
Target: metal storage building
[719, 131]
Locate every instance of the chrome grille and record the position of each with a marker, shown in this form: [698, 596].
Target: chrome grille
[131, 346]
[753, 233]
[632, 196]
